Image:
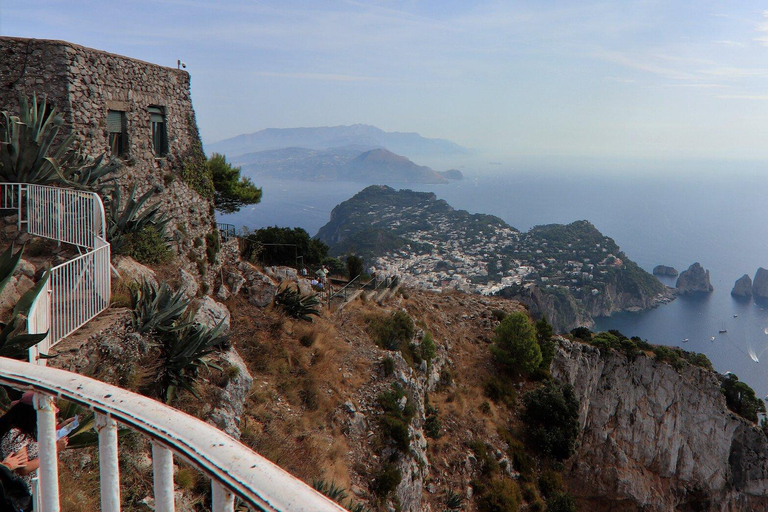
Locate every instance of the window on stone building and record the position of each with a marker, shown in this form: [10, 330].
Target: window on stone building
[118, 135]
[159, 133]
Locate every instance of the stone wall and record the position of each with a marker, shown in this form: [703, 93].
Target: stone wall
[85, 84]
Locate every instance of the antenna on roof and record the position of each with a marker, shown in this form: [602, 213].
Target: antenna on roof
[181, 64]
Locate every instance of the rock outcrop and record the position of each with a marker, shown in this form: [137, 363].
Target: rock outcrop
[760, 284]
[663, 270]
[657, 439]
[694, 280]
[743, 287]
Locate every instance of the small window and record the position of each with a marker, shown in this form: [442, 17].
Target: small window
[159, 134]
[118, 136]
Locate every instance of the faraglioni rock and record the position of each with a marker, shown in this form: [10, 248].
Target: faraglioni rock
[694, 280]
[743, 287]
[760, 284]
[663, 270]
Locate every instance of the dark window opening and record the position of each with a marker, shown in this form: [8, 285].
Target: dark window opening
[159, 134]
[118, 135]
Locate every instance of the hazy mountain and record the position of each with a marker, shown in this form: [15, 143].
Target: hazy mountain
[348, 163]
[412, 145]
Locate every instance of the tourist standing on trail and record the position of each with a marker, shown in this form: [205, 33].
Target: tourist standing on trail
[18, 441]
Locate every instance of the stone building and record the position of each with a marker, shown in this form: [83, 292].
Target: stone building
[137, 111]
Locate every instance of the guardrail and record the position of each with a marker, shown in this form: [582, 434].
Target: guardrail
[235, 470]
[226, 231]
[78, 289]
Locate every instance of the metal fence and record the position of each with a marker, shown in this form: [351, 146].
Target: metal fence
[234, 469]
[78, 289]
[227, 232]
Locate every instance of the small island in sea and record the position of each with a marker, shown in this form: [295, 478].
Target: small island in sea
[568, 273]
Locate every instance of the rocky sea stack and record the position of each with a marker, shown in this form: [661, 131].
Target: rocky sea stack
[663, 270]
[696, 280]
[743, 287]
[760, 284]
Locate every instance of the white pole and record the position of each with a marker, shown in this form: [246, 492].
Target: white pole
[109, 470]
[223, 500]
[48, 472]
[162, 462]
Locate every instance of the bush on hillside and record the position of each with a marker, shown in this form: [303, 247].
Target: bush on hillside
[741, 399]
[551, 419]
[392, 332]
[515, 348]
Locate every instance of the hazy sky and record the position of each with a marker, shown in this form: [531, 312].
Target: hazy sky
[659, 79]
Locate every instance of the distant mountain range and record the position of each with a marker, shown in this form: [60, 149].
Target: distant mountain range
[350, 153]
[347, 164]
[364, 136]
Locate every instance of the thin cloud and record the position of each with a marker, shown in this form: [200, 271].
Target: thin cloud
[326, 77]
[735, 44]
[757, 97]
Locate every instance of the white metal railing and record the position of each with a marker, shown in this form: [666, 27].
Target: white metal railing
[234, 469]
[78, 289]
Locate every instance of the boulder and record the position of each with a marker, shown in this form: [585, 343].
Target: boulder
[663, 270]
[760, 284]
[229, 407]
[261, 288]
[210, 313]
[188, 284]
[694, 280]
[282, 273]
[743, 287]
[131, 270]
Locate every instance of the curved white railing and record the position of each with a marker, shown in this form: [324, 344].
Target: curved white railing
[234, 469]
[78, 289]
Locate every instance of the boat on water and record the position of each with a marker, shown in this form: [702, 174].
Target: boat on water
[712, 338]
[723, 329]
[735, 316]
[686, 340]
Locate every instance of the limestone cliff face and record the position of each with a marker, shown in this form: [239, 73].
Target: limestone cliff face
[742, 287]
[760, 284]
[694, 280]
[656, 439]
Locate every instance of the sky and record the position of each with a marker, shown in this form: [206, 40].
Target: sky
[664, 79]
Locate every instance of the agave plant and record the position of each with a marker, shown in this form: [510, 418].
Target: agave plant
[158, 309]
[14, 342]
[27, 154]
[87, 173]
[186, 350]
[297, 305]
[129, 218]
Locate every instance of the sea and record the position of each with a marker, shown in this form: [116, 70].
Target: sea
[672, 213]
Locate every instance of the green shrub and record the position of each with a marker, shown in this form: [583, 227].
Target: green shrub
[498, 314]
[388, 366]
[147, 246]
[500, 391]
[432, 425]
[330, 489]
[521, 461]
[387, 480]
[498, 495]
[453, 501]
[231, 191]
[307, 340]
[354, 266]
[212, 245]
[395, 420]
[485, 407]
[550, 482]
[582, 333]
[428, 348]
[515, 347]
[551, 419]
[391, 332]
[486, 462]
[741, 399]
[561, 502]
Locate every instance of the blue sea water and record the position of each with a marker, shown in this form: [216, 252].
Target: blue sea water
[672, 214]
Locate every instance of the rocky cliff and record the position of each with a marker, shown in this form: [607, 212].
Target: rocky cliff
[760, 283]
[657, 439]
[663, 270]
[693, 280]
[742, 287]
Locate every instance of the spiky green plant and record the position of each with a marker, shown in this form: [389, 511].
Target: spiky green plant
[185, 352]
[157, 308]
[125, 219]
[27, 153]
[14, 342]
[297, 305]
[330, 489]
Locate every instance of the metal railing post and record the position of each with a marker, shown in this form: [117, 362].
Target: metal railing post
[162, 464]
[109, 469]
[48, 472]
[223, 500]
